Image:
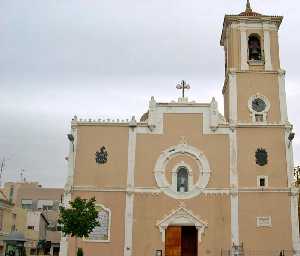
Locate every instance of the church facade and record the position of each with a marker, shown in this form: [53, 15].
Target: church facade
[186, 180]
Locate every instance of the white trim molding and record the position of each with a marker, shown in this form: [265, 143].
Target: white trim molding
[181, 217]
[263, 113]
[243, 25]
[64, 243]
[267, 50]
[295, 219]
[282, 96]
[128, 217]
[202, 167]
[234, 197]
[213, 121]
[232, 97]
[244, 49]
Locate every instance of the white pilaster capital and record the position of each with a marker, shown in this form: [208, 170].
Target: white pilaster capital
[282, 72]
[294, 191]
[133, 122]
[234, 191]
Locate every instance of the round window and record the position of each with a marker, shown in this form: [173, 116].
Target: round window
[258, 105]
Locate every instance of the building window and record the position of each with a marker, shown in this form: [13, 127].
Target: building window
[26, 204]
[45, 205]
[30, 227]
[182, 179]
[101, 233]
[254, 48]
[13, 228]
[262, 181]
[259, 118]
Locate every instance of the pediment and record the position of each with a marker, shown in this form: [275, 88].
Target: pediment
[182, 217]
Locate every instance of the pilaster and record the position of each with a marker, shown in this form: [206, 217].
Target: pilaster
[282, 96]
[267, 49]
[130, 188]
[244, 49]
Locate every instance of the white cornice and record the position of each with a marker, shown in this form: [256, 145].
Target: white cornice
[206, 191]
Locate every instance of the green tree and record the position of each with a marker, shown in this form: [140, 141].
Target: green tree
[79, 219]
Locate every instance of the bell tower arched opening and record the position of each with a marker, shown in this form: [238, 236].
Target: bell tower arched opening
[254, 48]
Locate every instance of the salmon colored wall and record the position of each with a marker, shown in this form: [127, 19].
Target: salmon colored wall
[89, 140]
[234, 48]
[215, 148]
[249, 139]
[213, 209]
[234, 42]
[264, 83]
[116, 203]
[276, 205]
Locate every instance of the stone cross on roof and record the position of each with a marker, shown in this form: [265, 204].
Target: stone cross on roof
[182, 86]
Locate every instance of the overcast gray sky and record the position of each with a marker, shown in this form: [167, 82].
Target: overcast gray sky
[107, 58]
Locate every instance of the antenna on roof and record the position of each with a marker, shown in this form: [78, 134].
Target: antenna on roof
[2, 168]
[22, 176]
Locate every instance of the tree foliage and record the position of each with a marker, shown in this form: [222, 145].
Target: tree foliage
[80, 219]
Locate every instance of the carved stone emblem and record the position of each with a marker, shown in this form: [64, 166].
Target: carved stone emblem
[101, 156]
[261, 156]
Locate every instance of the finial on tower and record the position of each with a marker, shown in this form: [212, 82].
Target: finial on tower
[248, 6]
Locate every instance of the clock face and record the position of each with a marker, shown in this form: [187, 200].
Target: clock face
[258, 105]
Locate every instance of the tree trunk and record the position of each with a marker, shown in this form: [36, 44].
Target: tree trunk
[75, 238]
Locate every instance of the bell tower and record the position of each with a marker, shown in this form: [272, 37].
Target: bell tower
[254, 85]
[261, 154]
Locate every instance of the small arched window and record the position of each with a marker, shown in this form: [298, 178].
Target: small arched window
[254, 48]
[182, 179]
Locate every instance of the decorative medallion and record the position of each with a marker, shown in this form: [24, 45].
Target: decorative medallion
[261, 156]
[101, 156]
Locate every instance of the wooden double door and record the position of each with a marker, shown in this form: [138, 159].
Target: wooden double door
[181, 241]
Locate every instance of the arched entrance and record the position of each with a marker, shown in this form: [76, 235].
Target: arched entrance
[181, 241]
[181, 232]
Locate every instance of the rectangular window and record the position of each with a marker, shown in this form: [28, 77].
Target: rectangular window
[30, 227]
[259, 118]
[45, 204]
[26, 204]
[262, 181]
